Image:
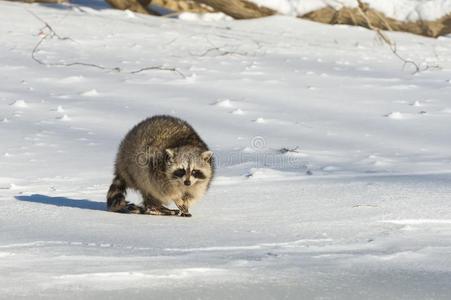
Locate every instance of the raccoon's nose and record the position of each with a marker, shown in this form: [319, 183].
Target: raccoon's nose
[187, 182]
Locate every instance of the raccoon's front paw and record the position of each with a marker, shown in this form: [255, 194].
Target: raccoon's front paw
[169, 212]
[188, 215]
[161, 211]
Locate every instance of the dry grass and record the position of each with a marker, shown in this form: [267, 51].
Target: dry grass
[369, 18]
[184, 5]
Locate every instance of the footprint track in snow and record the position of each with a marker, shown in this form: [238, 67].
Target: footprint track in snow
[291, 244]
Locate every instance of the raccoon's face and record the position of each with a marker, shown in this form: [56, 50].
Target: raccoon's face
[188, 166]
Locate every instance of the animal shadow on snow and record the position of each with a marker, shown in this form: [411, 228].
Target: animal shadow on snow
[63, 201]
[94, 4]
[100, 5]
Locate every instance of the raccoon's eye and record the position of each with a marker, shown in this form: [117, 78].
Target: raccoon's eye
[179, 173]
[198, 174]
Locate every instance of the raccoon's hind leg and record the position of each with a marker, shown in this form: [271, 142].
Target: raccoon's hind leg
[116, 198]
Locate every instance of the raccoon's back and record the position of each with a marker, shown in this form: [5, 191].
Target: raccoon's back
[157, 133]
[164, 132]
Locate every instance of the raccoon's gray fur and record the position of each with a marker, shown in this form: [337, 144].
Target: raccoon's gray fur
[165, 160]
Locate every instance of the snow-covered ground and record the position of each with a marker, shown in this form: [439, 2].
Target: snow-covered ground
[334, 162]
[403, 10]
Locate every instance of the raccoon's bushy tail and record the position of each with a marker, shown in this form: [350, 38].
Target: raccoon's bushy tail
[116, 195]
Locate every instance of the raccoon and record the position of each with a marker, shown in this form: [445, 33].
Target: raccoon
[165, 160]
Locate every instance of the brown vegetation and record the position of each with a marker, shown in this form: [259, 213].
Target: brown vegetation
[139, 6]
[239, 9]
[184, 5]
[362, 15]
[370, 18]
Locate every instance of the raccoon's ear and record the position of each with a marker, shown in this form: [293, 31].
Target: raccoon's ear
[170, 154]
[207, 155]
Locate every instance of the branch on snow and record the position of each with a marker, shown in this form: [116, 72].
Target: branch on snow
[362, 9]
[48, 32]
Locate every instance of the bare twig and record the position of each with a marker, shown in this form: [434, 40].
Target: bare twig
[405, 61]
[384, 20]
[221, 52]
[361, 9]
[284, 150]
[161, 68]
[47, 25]
[51, 33]
[390, 43]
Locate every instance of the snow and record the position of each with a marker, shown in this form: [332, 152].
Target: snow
[238, 112]
[60, 109]
[19, 104]
[403, 10]
[65, 117]
[188, 16]
[328, 197]
[396, 115]
[90, 93]
[418, 221]
[224, 103]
